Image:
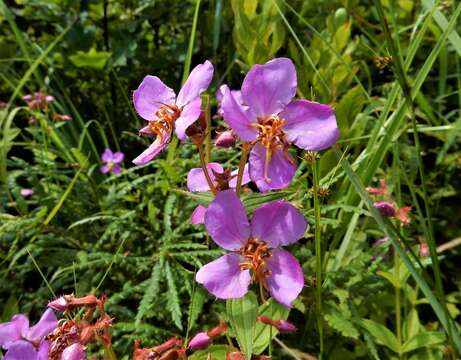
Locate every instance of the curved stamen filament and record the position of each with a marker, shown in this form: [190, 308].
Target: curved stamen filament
[255, 253]
[165, 117]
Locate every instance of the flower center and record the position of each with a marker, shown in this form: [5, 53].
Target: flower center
[165, 117]
[110, 165]
[255, 253]
[272, 137]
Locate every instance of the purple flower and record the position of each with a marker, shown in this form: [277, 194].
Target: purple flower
[222, 180]
[111, 161]
[254, 249]
[74, 352]
[271, 120]
[27, 192]
[200, 341]
[24, 342]
[158, 104]
[385, 208]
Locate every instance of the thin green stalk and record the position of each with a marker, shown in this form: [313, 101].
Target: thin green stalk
[318, 255]
[109, 354]
[398, 320]
[243, 160]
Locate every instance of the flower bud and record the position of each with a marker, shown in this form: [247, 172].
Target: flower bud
[225, 139]
[73, 352]
[424, 250]
[200, 341]
[385, 208]
[285, 326]
[59, 304]
[27, 192]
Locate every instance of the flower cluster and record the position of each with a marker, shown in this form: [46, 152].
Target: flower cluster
[39, 102]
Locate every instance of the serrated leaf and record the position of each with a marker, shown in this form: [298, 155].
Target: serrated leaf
[381, 334]
[339, 318]
[425, 339]
[173, 304]
[195, 308]
[242, 315]
[150, 293]
[263, 332]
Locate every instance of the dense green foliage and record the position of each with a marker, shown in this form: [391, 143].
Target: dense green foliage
[129, 235]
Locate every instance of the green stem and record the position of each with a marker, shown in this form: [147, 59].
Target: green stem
[203, 164]
[398, 320]
[243, 161]
[318, 255]
[109, 354]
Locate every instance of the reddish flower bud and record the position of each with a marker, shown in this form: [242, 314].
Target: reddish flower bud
[225, 139]
[236, 355]
[217, 330]
[200, 341]
[424, 250]
[59, 304]
[385, 208]
[380, 190]
[401, 214]
[285, 326]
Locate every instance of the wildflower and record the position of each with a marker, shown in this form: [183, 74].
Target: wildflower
[401, 214]
[283, 326]
[24, 342]
[254, 249]
[62, 117]
[272, 120]
[38, 101]
[225, 139]
[222, 180]
[27, 192]
[385, 208]
[200, 341]
[158, 104]
[111, 161]
[74, 352]
[424, 249]
[380, 190]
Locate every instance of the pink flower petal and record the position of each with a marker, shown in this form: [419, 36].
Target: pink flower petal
[198, 81]
[280, 172]
[236, 117]
[223, 277]
[47, 323]
[196, 180]
[189, 115]
[13, 330]
[150, 95]
[268, 88]
[227, 222]
[107, 155]
[153, 150]
[310, 125]
[279, 223]
[21, 350]
[198, 215]
[286, 280]
[245, 178]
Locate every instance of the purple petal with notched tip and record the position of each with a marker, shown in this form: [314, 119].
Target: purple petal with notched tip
[227, 222]
[198, 81]
[280, 173]
[279, 223]
[268, 88]
[286, 279]
[310, 125]
[223, 277]
[107, 155]
[150, 95]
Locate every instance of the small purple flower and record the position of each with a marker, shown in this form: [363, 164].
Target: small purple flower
[24, 342]
[254, 249]
[222, 180]
[158, 104]
[200, 341]
[385, 208]
[26, 192]
[111, 161]
[271, 120]
[74, 352]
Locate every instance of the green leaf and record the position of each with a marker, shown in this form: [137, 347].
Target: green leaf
[92, 59]
[173, 304]
[339, 318]
[242, 315]
[217, 352]
[151, 292]
[389, 277]
[195, 308]
[381, 333]
[273, 310]
[425, 339]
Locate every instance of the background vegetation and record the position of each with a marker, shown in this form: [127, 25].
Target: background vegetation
[392, 71]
